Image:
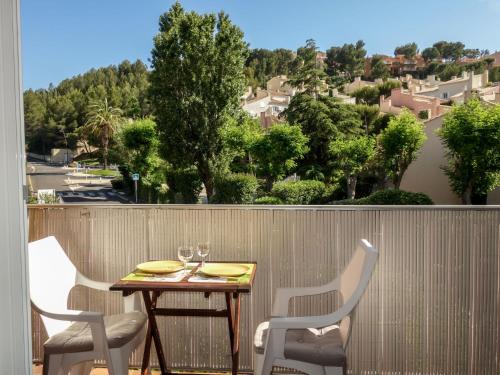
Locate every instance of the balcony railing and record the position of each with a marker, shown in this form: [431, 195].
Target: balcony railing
[433, 305]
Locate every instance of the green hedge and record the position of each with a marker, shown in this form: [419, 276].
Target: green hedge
[300, 192]
[268, 200]
[391, 197]
[235, 188]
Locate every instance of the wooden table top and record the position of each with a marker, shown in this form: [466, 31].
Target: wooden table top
[129, 286]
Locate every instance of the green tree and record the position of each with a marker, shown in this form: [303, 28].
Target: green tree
[278, 151]
[471, 134]
[138, 150]
[368, 95]
[430, 53]
[197, 80]
[352, 156]
[408, 50]
[379, 69]
[103, 121]
[262, 64]
[385, 88]
[400, 144]
[347, 61]
[447, 71]
[309, 76]
[368, 115]
[472, 53]
[450, 50]
[322, 120]
[239, 135]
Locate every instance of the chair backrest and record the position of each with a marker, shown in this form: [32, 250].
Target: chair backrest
[52, 276]
[354, 280]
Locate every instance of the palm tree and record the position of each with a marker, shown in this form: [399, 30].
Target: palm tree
[103, 121]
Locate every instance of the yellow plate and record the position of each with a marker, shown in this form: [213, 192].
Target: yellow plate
[224, 270]
[160, 266]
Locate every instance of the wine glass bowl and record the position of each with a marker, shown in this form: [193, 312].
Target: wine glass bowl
[185, 254]
[203, 249]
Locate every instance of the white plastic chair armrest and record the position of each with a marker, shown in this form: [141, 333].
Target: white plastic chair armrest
[72, 315]
[130, 303]
[98, 285]
[304, 322]
[283, 295]
[318, 321]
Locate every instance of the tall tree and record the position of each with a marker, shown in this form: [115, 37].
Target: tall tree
[352, 156]
[471, 134]
[430, 53]
[309, 75]
[196, 84]
[400, 144]
[103, 121]
[409, 50]
[450, 50]
[347, 61]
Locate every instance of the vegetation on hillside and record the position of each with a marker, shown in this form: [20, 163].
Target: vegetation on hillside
[61, 111]
[181, 127]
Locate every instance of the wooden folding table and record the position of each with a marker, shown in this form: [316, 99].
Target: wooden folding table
[151, 290]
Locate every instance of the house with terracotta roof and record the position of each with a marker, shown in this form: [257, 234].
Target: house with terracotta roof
[423, 107]
[399, 65]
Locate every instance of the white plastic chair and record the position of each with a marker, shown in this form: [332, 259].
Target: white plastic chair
[77, 338]
[316, 344]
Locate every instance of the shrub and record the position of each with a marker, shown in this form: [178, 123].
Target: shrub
[391, 197]
[184, 185]
[299, 192]
[118, 183]
[423, 115]
[237, 188]
[268, 200]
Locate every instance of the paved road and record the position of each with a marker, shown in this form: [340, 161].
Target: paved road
[44, 176]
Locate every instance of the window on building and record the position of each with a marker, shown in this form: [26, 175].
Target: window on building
[445, 95]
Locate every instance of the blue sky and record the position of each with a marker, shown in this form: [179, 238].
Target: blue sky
[62, 38]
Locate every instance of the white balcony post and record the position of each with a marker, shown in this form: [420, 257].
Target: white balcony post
[15, 327]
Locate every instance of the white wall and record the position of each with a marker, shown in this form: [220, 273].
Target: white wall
[15, 332]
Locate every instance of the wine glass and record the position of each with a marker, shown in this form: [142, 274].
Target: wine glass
[185, 254]
[203, 250]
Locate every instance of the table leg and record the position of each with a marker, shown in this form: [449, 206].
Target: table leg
[147, 344]
[154, 330]
[236, 330]
[230, 321]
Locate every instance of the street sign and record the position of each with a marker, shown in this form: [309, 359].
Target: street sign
[135, 176]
